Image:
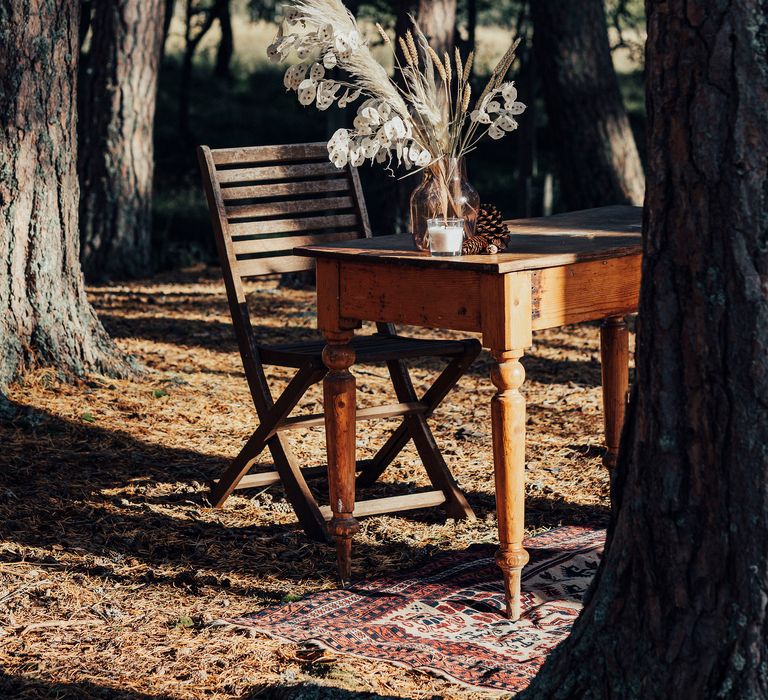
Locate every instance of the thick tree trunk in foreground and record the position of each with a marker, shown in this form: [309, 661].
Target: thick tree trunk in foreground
[45, 318]
[679, 608]
[117, 114]
[596, 153]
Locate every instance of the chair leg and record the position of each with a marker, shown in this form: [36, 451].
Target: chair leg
[456, 504]
[297, 491]
[268, 421]
[375, 467]
[238, 468]
[416, 427]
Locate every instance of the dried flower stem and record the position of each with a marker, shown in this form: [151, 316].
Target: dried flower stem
[438, 63]
[412, 47]
[404, 49]
[468, 65]
[383, 34]
[416, 120]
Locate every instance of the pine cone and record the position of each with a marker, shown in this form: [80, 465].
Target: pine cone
[475, 245]
[490, 224]
[491, 233]
[489, 218]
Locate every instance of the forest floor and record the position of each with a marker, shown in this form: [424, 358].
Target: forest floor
[113, 565]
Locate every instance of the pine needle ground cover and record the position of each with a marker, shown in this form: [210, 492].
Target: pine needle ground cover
[112, 565]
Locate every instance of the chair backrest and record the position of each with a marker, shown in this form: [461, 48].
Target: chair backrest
[266, 200]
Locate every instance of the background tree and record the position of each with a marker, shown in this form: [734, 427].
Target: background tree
[678, 606]
[117, 113]
[170, 8]
[595, 150]
[226, 49]
[437, 19]
[199, 18]
[45, 318]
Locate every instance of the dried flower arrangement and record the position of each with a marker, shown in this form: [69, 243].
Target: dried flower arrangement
[423, 121]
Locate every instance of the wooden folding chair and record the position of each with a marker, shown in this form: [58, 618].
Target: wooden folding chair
[264, 201]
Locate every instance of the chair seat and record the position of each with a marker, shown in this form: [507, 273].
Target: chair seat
[368, 348]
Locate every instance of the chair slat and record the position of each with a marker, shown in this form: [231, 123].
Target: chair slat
[284, 189]
[301, 206]
[288, 243]
[273, 265]
[392, 504]
[371, 413]
[310, 223]
[261, 479]
[261, 154]
[277, 172]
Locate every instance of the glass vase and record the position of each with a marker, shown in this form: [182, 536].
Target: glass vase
[444, 192]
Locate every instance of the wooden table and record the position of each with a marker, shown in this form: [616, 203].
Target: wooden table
[557, 270]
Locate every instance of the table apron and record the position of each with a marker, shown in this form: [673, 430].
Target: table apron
[468, 300]
[585, 291]
[448, 299]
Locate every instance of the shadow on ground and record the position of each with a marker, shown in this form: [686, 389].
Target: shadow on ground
[76, 468]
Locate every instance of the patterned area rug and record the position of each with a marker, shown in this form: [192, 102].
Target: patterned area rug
[444, 617]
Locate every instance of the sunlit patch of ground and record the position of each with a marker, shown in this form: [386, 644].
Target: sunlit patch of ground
[112, 564]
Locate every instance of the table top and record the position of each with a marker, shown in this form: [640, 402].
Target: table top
[550, 241]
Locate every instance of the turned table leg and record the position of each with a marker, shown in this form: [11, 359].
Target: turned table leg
[614, 351]
[339, 405]
[508, 420]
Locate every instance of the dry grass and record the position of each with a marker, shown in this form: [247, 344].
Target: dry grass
[112, 564]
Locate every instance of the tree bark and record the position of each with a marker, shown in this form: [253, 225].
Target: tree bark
[45, 318]
[437, 19]
[596, 153]
[678, 609]
[117, 114]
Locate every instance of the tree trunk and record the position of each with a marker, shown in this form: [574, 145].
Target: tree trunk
[471, 25]
[45, 318]
[192, 38]
[117, 114]
[170, 6]
[595, 149]
[678, 609]
[437, 19]
[226, 48]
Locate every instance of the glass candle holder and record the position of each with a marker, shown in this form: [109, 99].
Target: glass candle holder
[445, 236]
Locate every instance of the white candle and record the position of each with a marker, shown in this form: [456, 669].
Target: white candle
[446, 240]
